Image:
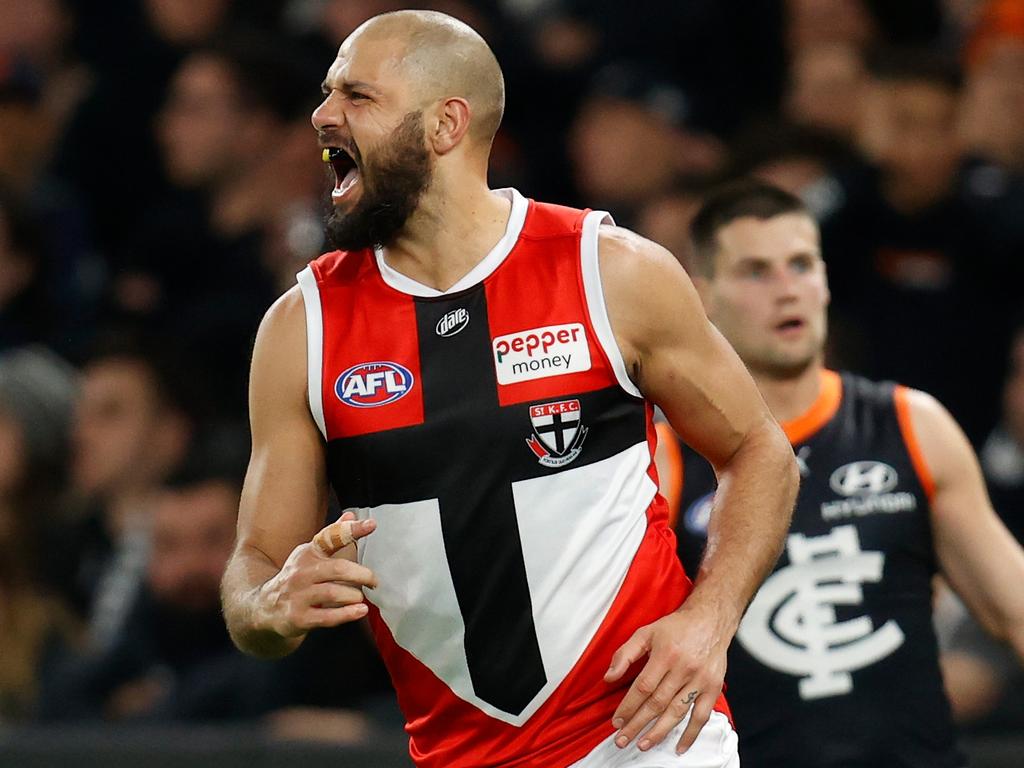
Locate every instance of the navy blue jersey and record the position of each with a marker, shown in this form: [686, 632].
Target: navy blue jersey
[835, 663]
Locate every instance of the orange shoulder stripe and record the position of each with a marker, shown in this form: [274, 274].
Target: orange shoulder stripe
[903, 415]
[819, 414]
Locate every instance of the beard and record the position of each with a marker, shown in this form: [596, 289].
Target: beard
[393, 181]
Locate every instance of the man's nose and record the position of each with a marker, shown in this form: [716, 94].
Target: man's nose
[786, 285]
[330, 113]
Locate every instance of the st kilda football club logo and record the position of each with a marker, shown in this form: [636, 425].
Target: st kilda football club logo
[558, 436]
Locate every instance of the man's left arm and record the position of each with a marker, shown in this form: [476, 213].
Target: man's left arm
[680, 361]
[979, 557]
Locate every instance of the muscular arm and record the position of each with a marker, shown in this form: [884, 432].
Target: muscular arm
[980, 559]
[277, 581]
[680, 361]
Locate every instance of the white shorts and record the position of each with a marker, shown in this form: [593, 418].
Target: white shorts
[715, 747]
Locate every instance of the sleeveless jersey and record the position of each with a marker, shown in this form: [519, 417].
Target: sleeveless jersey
[835, 663]
[492, 432]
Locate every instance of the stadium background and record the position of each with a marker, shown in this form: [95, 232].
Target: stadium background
[160, 185]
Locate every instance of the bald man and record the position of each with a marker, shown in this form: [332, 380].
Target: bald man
[473, 374]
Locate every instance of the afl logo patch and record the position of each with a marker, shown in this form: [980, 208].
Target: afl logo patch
[452, 322]
[369, 385]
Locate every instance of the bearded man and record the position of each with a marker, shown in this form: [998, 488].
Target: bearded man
[473, 374]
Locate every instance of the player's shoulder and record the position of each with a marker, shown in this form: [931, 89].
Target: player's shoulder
[926, 411]
[630, 257]
[284, 323]
[289, 306]
[620, 241]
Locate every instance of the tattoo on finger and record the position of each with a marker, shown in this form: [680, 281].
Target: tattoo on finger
[691, 697]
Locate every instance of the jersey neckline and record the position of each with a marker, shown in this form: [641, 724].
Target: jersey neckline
[487, 265]
[821, 411]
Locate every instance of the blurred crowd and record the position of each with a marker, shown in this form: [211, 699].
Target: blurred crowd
[160, 185]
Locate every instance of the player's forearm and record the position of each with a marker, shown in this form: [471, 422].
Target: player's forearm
[245, 609]
[753, 506]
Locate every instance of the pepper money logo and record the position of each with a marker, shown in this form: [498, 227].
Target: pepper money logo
[791, 625]
[540, 352]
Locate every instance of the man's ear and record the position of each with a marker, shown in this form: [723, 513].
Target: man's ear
[450, 125]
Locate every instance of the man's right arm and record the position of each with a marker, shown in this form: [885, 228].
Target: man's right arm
[279, 583]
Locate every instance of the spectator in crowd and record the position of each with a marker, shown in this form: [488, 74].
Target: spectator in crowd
[172, 658]
[679, 41]
[108, 153]
[797, 158]
[36, 395]
[237, 152]
[826, 81]
[132, 429]
[921, 253]
[55, 262]
[26, 314]
[994, 119]
[815, 22]
[36, 35]
[633, 138]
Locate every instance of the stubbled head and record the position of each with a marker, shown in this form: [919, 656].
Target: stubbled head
[410, 93]
[757, 265]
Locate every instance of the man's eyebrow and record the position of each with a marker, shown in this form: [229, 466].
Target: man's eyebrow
[347, 86]
[358, 85]
[750, 258]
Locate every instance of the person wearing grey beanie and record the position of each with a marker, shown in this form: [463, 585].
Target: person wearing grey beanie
[37, 393]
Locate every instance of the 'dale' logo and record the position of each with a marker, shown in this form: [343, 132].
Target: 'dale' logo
[369, 385]
[452, 322]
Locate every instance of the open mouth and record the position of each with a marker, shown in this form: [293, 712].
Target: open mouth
[346, 171]
[791, 324]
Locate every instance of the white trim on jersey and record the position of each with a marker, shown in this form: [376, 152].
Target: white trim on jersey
[595, 297]
[314, 346]
[490, 262]
[580, 531]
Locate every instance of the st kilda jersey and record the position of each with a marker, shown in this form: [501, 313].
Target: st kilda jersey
[835, 662]
[492, 432]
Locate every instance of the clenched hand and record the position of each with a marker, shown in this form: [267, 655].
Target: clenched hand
[320, 584]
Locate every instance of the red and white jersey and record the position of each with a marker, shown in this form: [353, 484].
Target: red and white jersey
[492, 432]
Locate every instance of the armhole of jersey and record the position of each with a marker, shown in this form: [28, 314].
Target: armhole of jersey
[904, 417]
[314, 346]
[595, 297]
